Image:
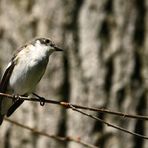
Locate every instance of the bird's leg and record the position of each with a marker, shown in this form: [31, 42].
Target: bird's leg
[42, 99]
[17, 101]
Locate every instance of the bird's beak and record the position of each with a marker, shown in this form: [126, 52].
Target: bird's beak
[58, 49]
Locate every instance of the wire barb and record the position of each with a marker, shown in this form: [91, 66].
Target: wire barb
[42, 99]
[65, 104]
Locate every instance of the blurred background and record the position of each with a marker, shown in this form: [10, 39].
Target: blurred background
[104, 64]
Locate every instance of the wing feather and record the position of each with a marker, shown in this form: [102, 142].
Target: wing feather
[6, 77]
[4, 85]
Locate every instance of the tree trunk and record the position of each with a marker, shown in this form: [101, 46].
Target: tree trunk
[104, 64]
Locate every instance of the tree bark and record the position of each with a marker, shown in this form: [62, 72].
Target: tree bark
[104, 64]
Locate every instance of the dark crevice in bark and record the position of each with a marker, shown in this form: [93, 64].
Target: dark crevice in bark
[70, 27]
[140, 23]
[25, 141]
[62, 126]
[27, 6]
[98, 126]
[104, 33]
[104, 36]
[65, 90]
[120, 96]
[139, 128]
[72, 24]
[102, 142]
[141, 108]
[65, 94]
[30, 5]
[109, 74]
[136, 84]
[35, 137]
[137, 69]
[2, 32]
[109, 6]
[105, 30]
[66, 86]
[7, 138]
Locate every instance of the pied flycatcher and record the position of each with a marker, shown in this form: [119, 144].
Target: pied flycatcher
[24, 71]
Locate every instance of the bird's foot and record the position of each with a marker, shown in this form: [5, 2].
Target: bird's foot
[15, 98]
[42, 99]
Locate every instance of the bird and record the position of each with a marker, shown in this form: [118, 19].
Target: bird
[23, 72]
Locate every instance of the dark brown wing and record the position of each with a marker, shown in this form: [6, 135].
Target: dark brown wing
[5, 79]
[4, 84]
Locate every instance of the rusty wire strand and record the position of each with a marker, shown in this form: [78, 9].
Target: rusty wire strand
[59, 138]
[67, 104]
[77, 107]
[109, 124]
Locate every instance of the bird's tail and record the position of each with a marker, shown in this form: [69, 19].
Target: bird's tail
[1, 119]
[1, 116]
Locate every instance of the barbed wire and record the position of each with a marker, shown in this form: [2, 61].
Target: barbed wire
[77, 108]
[109, 124]
[67, 104]
[59, 138]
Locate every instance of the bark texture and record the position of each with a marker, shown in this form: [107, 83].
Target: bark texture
[104, 65]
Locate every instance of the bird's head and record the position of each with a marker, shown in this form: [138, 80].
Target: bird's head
[46, 44]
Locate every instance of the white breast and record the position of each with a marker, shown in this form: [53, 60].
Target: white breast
[28, 71]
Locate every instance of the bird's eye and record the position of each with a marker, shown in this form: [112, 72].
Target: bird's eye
[47, 41]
